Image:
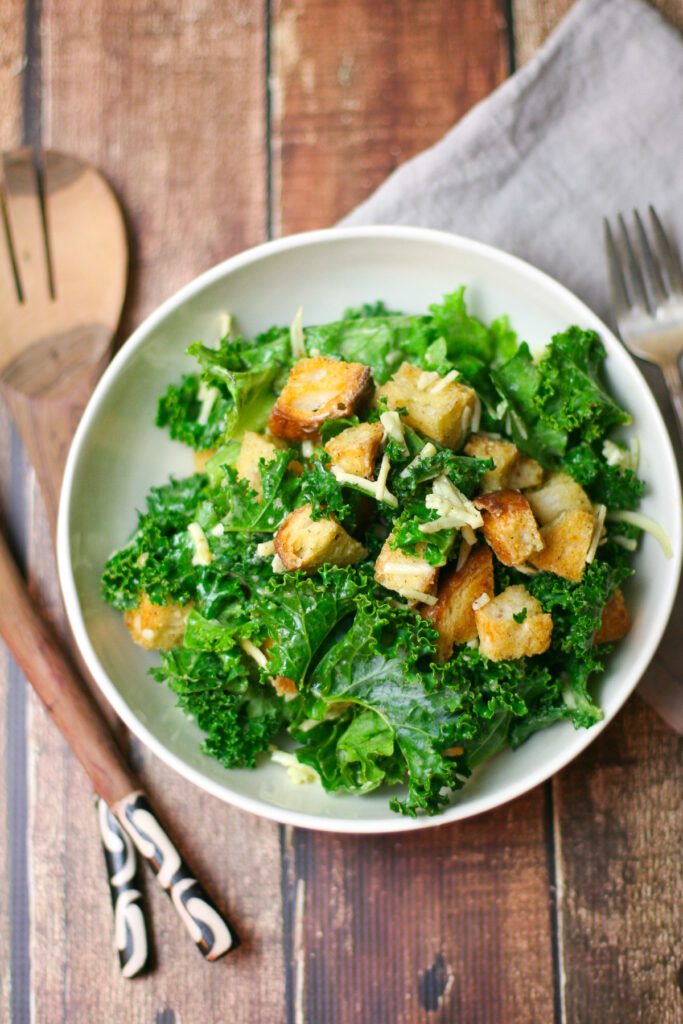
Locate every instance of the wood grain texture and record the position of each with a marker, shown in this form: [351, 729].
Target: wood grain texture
[447, 925]
[619, 812]
[359, 87]
[169, 101]
[534, 20]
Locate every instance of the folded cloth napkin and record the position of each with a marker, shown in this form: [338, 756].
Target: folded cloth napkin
[592, 125]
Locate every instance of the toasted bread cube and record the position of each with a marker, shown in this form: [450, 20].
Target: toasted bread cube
[355, 450]
[285, 687]
[397, 570]
[201, 458]
[501, 637]
[317, 390]
[442, 411]
[524, 472]
[567, 541]
[254, 448]
[157, 627]
[305, 543]
[452, 615]
[509, 526]
[503, 453]
[558, 494]
[616, 620]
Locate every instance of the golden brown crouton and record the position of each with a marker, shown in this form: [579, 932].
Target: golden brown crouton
[158, 627]
[616, 620]
[201, 459]
[355, 450]
[502, 637]
[503, 453]
[524, 472]
[285, 687]
[254, 448]
[509, 526]
[567, 541]
[305, 543]
[317, 390]
[440, 408]
[558, 494]
[406, 574]
[452, 615]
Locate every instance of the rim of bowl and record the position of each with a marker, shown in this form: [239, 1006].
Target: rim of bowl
[454, 812]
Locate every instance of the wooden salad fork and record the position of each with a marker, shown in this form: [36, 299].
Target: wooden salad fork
[63, 269]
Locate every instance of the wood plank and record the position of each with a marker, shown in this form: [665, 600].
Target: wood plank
[167, 102]
[362, 85]
[618, 809]
[534, 20]
[453, 921]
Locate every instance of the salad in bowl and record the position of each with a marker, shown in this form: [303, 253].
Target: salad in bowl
[402, 549]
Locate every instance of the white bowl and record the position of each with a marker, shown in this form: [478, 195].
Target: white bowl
[118, 453]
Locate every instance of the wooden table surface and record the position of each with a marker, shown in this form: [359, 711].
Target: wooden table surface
[221, 123]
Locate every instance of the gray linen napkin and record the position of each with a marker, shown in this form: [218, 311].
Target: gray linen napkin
[592, 125]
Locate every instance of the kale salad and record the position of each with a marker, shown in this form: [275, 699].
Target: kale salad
[403, 546]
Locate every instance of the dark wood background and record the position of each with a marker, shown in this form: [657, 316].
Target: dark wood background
[220, 123]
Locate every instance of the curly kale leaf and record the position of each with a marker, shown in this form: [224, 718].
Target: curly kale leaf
[610, 485]
[239, 715]
[179, 409]
[322, 489]
[572, 396]
[462, 470]
[237, 504]
[158, 557]
[433, 547]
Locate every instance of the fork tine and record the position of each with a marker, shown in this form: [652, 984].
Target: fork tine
[635, 273]
[620, 296]
[25, 218]
[652, 268]
[668, 254]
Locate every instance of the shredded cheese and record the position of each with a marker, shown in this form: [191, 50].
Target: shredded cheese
[277, 565]
[224, 324]
[526, 570]
[476, 415]
[381, 482]
[299, 773]
[644, 523]
[426, 378]
[480, 602]
[369, 486]
[265, 549]
[296, 334]
[455, 510]
[600, 512]
[307, 448]
[626, 542]
[443, 382]
[469, 535]
[254, 652]
[417, 595]
[202, 554]
[426, 453]
[218, 530]
[463, 555]
[393, 428]
[207, 396]
[623, 458]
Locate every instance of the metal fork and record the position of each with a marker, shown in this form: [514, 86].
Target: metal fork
[647, 294]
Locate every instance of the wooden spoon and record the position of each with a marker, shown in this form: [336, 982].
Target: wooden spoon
[62, 283]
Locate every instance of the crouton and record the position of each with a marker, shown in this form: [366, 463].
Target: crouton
[201, 459]
[317, 390]
[502, 637]
[355, 450]
[509, 526]
[406, 574]
[524, 472]
[285, 687]
[452, 615]
[567, 541]
[157, 627]
[440, 408]
[558, 494]
[616, 621]
[503, 453]
[304, 543]
[254, 448]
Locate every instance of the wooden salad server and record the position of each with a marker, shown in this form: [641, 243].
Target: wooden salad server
[63, 276]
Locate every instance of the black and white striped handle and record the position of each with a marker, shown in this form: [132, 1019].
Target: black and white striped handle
[130, 926]
[201, 918]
